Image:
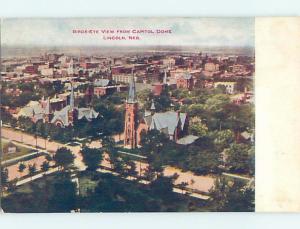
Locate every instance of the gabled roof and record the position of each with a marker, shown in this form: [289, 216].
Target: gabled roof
[166, 121]
[33, 108]
[187, 140]
[88, 113]
[187, 76]
[62, 116]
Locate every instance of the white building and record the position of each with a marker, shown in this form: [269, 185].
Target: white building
[230, 86]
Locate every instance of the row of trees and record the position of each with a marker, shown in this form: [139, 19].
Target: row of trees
[114, 194]
[212, 153]
[29, 91]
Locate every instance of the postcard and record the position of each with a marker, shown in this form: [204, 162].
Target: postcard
[129, 115]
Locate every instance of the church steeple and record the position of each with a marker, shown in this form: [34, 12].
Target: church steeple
[72, 97]
[152, 108]
[152, 105]
[131, 116]
[132, 92]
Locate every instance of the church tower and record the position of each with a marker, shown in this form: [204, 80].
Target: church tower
[131, 110]
[72, 112]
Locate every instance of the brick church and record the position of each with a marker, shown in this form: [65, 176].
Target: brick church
[172, 123]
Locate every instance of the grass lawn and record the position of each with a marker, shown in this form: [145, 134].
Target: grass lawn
[115, 195]
[85, 184]
[21, 151]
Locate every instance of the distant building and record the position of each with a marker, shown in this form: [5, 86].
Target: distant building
[229, 86]
[211, 67]
[237, 68]
[185, 81]
[57, 111]
[106, 87]
[10, 148]
[89, 65]
[69, 114]
[31, 69]
[48, 72]
[157, 88]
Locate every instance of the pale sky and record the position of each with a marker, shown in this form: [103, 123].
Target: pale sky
[185, 31]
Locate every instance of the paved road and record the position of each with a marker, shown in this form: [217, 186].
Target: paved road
[199, 183]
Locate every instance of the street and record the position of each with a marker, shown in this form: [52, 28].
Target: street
[195, 182]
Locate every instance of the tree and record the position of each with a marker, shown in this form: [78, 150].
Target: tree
[32, 170]
[183, 185]
[237, 158]
[49, 157]
[45, 166]
[130, 168]
[63, 158]
[195, 109]
[199, 129]
[119, 166]
[4, 176]
[91, 157]
[63, 198]
[144, 96]
[222, 139]
[215, 114]
[22, 167]
[202, 158]
[159, 151]
[239, 117]
[231, 196]
[218, 194]
[12, 185]
[163, 187]
[109, 146]
[40, 128]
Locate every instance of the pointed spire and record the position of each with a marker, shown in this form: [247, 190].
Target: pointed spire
[132, 92]
[165, 77]
[152, 108]
[72, 99]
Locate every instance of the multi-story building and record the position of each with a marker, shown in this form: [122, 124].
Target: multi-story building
[185, 81]
[230, 87]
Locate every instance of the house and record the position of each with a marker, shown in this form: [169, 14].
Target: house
[10, 148]
[185, 81]
[211, 67]
[230, 87]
